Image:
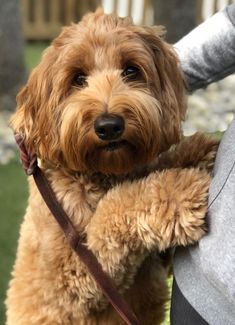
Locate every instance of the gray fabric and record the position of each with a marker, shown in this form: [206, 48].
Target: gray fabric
[207, 53]
[205, 273]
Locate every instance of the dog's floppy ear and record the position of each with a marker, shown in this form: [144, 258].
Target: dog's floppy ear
[29, 119]
[166, 64]
[170, 85]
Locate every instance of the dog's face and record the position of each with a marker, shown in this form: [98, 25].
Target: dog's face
[107, 97]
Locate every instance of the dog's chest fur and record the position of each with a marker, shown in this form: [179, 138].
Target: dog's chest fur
[58, 272]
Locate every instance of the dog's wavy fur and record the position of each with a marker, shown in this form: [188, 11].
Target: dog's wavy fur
[129, 204]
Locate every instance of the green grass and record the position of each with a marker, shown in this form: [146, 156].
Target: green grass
[33, 52]
[13, 196]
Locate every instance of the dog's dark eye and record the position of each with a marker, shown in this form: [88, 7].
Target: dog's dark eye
[80, 79]
[131, 73]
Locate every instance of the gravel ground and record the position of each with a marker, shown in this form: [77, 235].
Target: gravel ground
[210, 110]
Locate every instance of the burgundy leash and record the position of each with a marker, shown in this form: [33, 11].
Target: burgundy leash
[29, 162]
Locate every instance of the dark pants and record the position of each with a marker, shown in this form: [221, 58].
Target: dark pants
[182, 313]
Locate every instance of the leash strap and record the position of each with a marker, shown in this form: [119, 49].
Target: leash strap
[29, 162]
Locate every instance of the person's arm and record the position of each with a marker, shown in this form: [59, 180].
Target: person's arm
[207, 53]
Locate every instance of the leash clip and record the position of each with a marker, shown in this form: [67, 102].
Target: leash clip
[28, 159]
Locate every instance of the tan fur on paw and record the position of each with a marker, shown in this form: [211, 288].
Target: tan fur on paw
[182, 198]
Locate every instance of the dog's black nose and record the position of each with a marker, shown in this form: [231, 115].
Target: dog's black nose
[109, 127]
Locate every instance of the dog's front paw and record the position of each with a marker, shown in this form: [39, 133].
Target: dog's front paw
[198, 151]
[205, 149]
[181, 198]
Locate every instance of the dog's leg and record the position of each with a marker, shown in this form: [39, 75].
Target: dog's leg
[198, 150]
[163, 210]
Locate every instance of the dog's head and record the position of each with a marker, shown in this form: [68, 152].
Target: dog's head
[107, 97]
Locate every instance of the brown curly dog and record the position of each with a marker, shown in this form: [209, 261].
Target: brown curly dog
[101, 111]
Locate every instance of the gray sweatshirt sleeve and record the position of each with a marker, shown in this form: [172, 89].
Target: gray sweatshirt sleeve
[207, 54]
[205, 272]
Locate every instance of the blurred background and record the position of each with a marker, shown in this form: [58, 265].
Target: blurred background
[26, 29]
